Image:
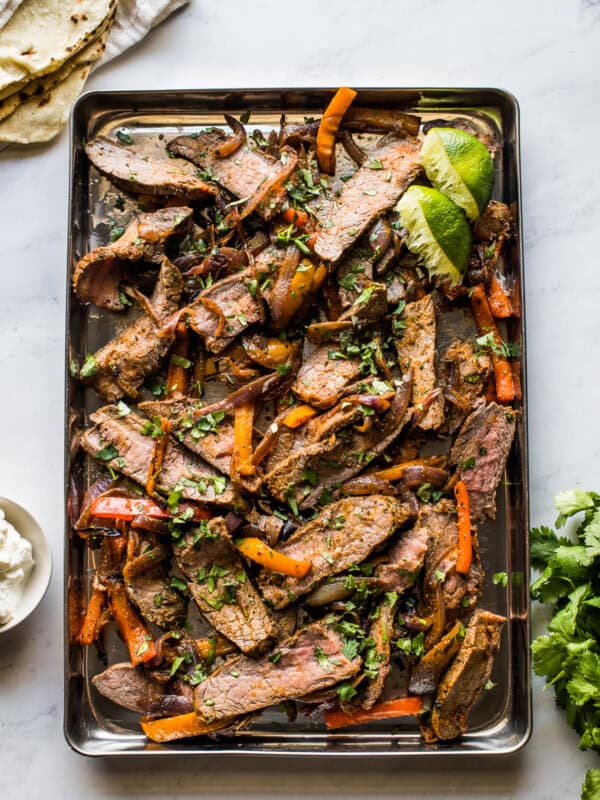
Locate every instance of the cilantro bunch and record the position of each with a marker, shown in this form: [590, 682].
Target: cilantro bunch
[568, 656]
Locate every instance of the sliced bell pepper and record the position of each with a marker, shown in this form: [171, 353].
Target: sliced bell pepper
[298, 416]
[134, 632]
[388, 709]
[465, 540]
[170, 728]
[260, 552]
[329, 126]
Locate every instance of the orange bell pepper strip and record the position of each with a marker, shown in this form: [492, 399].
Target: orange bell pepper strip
[295, 216]
[388, 709]
[465, 539]
[170, 728]
[300, 285]
[126, 508]
[505, 387]
[499, 301]
[87, 634]
[158, 455]
[134, 632]
[269, 352]
[260, 552]
[213, 646]
[319, 277]
[243, 427]
[299, 415]
[396, 472]
[329, 126]
[178, 375]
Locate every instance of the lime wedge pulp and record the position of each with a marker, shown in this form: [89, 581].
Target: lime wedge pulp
[437, 231]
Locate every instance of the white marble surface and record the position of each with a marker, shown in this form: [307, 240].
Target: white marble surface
[547, 53]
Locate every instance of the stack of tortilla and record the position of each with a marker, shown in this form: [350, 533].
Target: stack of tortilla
[47, 49]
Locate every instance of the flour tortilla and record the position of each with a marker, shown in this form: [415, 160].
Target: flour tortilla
[41, 86]
[43, 34]
[41, 117]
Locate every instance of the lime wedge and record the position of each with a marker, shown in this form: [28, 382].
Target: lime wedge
[460, 166]
[437, 231]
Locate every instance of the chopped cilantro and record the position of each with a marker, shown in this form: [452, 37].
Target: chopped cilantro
[89, 367]
[124, 137]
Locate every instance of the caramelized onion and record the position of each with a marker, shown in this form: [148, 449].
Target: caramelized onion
[380, 119]
[419, 474]
[328, 593]
[368, 484]
[232, 143]
[354, 151]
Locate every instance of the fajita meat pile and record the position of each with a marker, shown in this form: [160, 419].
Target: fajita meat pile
[297, 434]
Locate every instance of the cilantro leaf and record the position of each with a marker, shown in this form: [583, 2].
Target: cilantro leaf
[542, 545]
[570, 502]
[591, 786]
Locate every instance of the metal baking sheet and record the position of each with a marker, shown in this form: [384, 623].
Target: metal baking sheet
[501, 723]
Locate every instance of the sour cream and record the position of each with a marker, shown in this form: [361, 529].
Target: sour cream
[16, 562]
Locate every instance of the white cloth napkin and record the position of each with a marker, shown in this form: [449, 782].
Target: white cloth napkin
[133, 21]
[7, 9]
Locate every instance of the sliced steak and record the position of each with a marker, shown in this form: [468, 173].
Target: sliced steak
[247, 173]
[321, 379]
[416, 352]
[425, 676]
[461, 593]
[464, 681]
[130, 687]
[141, 174]
[148, 585]
[133, 688]
[332, 462]
[369, 306]
[464, 373]
[118, 442]
[224, 310]
[310, 660]
[157, 602]
[381, 633]
[344, 533]
[404, 561]
[353, 275]
[123, 363]
[214, 446]
[368, 193]
[98, 274]
[480, 452]
[218, 583]
[495, 222]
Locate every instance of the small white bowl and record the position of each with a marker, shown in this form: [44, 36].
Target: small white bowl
[39, 577]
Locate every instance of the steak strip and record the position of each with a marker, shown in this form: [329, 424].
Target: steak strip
[344, 533]
[132, 688]
[480, 452]
[372, 190]
[123, 363]
[247, 173]
[224, 310]
[218, 583]
[308, 661]
[465, 680]
[416, 352]
[142, 174]
[98, 274]
[214, 446]
[118, 442]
